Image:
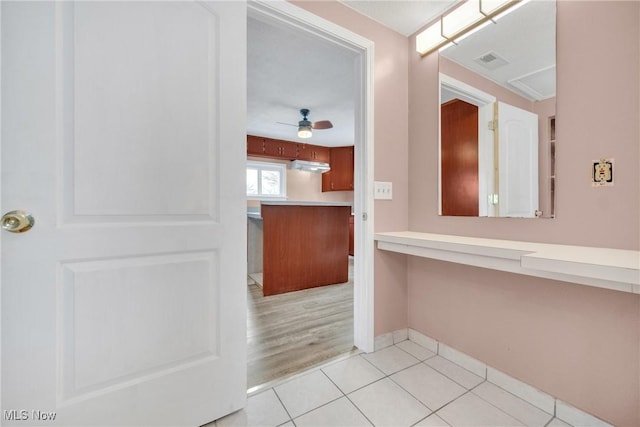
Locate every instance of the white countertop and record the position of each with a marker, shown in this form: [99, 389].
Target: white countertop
[254, 212]
[615, 269]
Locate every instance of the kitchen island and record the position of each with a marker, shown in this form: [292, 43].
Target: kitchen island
[305, 245]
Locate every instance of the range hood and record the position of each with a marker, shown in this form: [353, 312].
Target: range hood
[308, 166]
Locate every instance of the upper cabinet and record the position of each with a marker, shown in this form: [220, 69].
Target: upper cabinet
[255, 146]
[340, 177]
[280, 149]
[314, 153]
[273, 148]
[258, 146]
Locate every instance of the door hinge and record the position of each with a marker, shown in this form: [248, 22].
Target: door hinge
[364, 216]
[493, 199]
[493, 124]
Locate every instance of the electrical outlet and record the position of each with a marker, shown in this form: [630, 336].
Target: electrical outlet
[383, 190]
[602, 173]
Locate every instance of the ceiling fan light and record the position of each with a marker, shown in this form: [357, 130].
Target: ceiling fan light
[304, 131]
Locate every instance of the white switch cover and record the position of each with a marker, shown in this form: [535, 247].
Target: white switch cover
[382, 190]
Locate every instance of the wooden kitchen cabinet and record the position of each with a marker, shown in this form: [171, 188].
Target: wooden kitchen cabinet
[272, 148]
[285, 150]
[255, 146]
[340, 177]
[280, 149]
[314, 153]
[304, 246]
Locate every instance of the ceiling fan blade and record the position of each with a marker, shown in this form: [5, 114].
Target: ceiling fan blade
[322, 124]
[288, 124]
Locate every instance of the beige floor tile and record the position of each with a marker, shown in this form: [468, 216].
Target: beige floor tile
[432, 421]
[472, 411]
[428, 385]
[385, 403]
[263, 409]
[512, 405]
[391, 359]
[338, 413]
[415, 350]
[353, 373]
[466, 379]
[307, 392]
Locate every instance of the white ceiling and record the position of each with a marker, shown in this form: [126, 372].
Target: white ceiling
[289, 70]
[405, 17]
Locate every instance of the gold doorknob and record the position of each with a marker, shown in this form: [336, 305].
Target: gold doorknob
[17, 221]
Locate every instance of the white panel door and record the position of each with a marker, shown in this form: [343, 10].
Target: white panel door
[123, 135]
[517, 161]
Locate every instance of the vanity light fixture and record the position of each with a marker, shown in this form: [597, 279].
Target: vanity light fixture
[469, 16]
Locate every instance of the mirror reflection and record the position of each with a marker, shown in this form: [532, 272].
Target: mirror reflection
[497, 117]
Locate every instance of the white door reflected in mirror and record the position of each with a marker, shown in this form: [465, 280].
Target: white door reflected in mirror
[516, 139]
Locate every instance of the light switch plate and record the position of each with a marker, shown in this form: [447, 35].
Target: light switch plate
[383, 190]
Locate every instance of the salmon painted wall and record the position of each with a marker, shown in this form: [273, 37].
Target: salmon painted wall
[390, 151]
[577, 343]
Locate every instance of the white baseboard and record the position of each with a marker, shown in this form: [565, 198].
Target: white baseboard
[576, 417]
[400, 335]
[423, 340]
[383, 341]
[459, 358]
[524, 391]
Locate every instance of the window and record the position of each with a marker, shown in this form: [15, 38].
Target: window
[266, 180]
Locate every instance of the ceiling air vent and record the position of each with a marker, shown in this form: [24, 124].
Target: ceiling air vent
[491, 60]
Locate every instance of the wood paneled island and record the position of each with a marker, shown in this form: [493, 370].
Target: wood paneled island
[305, 245]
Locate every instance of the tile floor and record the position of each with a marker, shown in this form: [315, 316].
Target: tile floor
[401, 385]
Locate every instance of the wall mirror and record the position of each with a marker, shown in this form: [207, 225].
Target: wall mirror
[497, 117]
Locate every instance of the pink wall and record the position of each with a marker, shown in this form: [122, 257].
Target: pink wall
[577, 343]
[391, 152]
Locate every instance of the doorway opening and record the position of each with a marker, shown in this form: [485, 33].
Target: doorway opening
[459, 99]
[294, 19]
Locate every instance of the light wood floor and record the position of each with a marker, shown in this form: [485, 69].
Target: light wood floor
[291, 332]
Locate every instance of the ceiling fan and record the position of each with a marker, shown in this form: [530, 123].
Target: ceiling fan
[305, 126]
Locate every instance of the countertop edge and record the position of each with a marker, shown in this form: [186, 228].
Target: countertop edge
[607, 268]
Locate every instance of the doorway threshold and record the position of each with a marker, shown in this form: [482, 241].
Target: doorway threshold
[259, 388]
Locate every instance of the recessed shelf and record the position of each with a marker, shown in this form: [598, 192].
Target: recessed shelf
[615, 269]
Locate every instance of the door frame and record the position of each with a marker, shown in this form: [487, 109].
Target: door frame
[285, 14]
